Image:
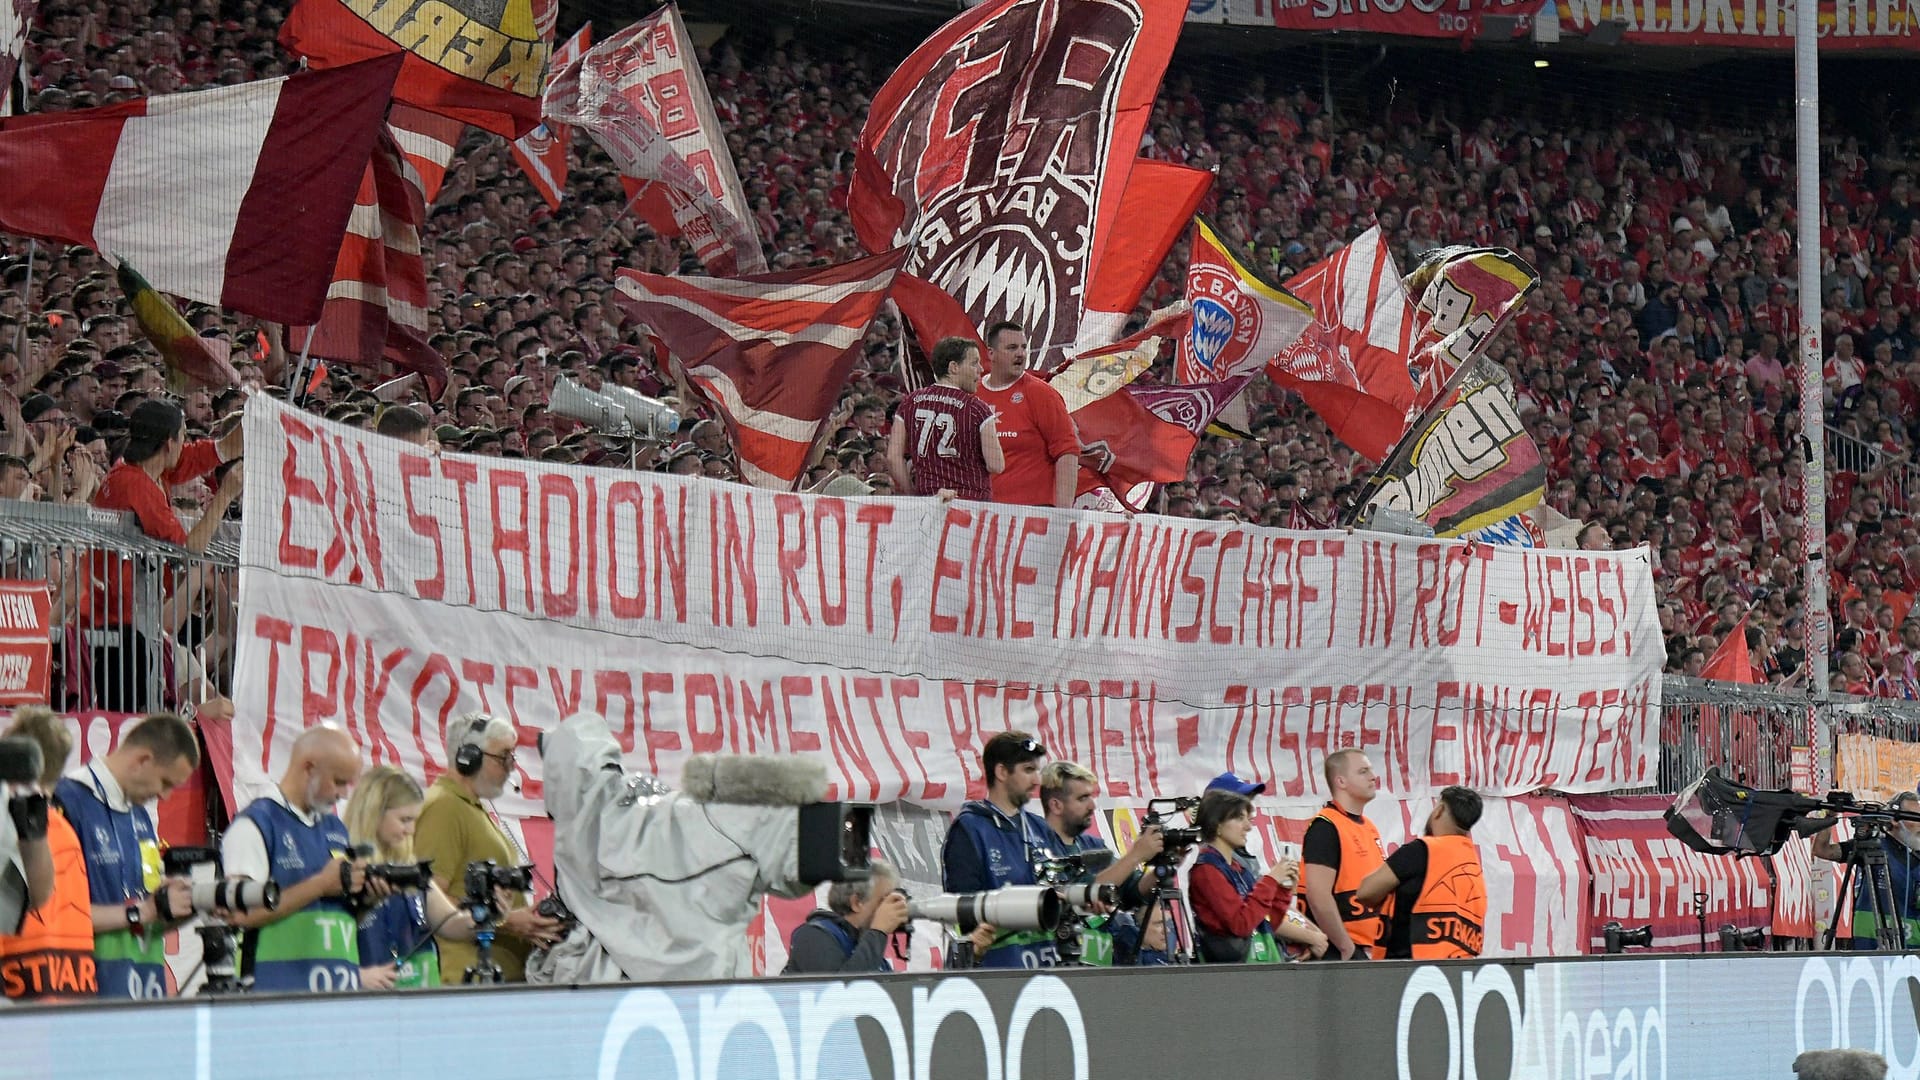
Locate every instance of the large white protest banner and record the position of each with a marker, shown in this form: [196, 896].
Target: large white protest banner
[391, 590]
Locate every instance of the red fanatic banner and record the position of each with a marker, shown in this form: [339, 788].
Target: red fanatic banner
[1643, 876]
[25, 648]
[1763, 24]
[391, 590]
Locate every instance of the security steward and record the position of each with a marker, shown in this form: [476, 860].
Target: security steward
[51, 957]
[1439, 895]
[1340, 849]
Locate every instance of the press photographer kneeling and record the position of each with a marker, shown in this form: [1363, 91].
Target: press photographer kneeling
[852, 933]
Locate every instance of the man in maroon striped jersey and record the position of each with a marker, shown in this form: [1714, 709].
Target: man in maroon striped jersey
[943, 440]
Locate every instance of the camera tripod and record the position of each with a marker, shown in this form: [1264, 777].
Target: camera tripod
[486, 918]
[1868, 857]
[1169, 901]
[218, 948]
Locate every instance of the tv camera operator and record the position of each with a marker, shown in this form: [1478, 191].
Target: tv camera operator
[1066, 798]
[292, 838]
[1900, 844]
[993, 842]
[48, 954]
[132, 901]
[851, 933]
[456, 831]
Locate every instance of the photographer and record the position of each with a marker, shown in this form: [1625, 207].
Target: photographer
[292, 838]
[397, 950]
[851, 934]
[455, 830]
[46, 953]
[1298, 937]
[1439, 894]
[1901, 845]
[1066, 797]
[1233, 911]
[132, 905]
[993, 843]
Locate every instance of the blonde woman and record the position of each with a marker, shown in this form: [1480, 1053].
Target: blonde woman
[396, 938]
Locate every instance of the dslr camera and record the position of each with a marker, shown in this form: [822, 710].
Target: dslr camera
[212, 892]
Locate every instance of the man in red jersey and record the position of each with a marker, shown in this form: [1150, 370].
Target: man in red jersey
[1036, 434]
[944, 440]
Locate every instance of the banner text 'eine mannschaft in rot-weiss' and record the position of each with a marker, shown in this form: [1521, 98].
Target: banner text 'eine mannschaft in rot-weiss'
[390, 590]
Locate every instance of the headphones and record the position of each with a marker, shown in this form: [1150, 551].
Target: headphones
[467, 759]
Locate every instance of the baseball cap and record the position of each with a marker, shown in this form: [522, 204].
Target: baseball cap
[1226, 781]
[37, 406]
[122, 82]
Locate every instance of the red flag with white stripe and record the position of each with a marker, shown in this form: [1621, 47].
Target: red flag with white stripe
[770, 352]
[542, 152]
[428, 140]
[133, 181]
[1350, 364]
[377, 305]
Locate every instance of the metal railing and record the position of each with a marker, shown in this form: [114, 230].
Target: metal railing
[137, 625]
[1846, 453]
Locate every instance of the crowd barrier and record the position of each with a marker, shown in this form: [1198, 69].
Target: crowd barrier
[1651, 1019]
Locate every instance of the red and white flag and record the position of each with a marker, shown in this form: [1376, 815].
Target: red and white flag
[1000, 151]
[1159, 200]
[770, 352]
[1350, 363]
[1143, 435]
[377, 305]
[258, 234]
[478, 61]
[1240, 321]
[542, 152]
[641, 96]
[16, 16]
[428, 140]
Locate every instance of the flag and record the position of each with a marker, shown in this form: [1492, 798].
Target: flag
[770, 352]
[1731, 662]
[1100, 372]
[640, 95]
[377, 304]
[136, 181]
[1147, 434]
[477, 61]
[1469, 465]
[16, 16]
[1000, 152]
[428, 140]
[1159, 200]
[1350, 363]
[189, 357]
[1240, 321]
[542, 152]
[1467, 296]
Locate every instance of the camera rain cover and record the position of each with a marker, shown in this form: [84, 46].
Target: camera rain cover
[1716, 816]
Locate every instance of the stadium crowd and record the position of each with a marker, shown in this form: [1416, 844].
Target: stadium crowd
[1654, 365]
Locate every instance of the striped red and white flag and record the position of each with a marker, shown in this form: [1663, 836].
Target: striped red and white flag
[770, 352]
[377, 304]
[257, 234]
[428, 140]
[542, 152]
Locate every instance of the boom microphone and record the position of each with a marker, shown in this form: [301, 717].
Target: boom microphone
[20, 761]
[753, 781]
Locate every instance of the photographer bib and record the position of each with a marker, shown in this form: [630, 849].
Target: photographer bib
[123, 865]
[316, 948]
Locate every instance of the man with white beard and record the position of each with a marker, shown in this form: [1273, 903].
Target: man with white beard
[456, 829]
[1902, 847]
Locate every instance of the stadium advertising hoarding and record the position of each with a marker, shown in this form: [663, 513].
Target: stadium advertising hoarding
[1651, 1019]
[390, 590]
[1739, 24]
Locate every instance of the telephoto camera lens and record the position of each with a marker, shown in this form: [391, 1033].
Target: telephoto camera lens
[1016, 907]
[236, 895]
[1083, 896]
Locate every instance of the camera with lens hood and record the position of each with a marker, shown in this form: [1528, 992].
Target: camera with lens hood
[213, 893]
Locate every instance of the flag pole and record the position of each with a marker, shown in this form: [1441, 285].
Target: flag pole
[301, 375]
[20, 332]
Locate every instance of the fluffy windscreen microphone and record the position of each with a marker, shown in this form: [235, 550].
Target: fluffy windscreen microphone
[20, 761]
[1840, 1065]
[753, 781]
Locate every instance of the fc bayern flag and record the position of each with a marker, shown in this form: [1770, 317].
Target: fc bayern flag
[236, 196]
[15, 17]
[1467, 296]
[1240, 320]
[770, 352]
[1147, 434]
[1000, 151]
[542, 152]
[481, 62]
[1350, 364]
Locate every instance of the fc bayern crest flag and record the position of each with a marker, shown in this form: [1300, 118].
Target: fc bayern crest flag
[1240, 321]
[1001, 149]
